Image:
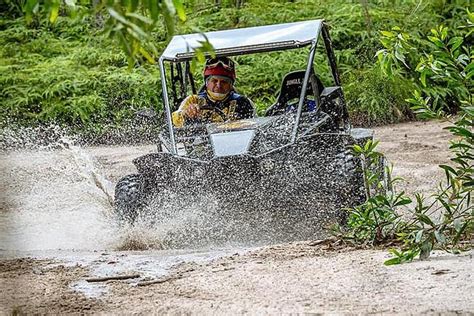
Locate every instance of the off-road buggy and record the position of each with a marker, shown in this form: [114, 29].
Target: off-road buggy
[281, 176]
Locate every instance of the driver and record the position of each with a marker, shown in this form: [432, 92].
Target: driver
[217, 101]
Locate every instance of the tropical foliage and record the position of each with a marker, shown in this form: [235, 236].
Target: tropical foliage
[444, 70]
[87, 63]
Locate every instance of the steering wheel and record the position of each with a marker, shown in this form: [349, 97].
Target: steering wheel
[207, 118]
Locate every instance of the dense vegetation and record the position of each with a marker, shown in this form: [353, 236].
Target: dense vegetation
[443, 86]
[444, 221]
[72, 73]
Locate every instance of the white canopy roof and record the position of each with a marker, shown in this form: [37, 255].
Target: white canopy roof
[245, 40]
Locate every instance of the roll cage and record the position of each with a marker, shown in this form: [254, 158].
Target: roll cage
[181, 50]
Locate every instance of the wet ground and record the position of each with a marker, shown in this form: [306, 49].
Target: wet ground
[58, 231]
[57, 204]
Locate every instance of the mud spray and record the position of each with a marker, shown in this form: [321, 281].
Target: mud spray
[56, 201]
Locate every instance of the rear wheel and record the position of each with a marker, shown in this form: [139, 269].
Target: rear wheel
[129, 197]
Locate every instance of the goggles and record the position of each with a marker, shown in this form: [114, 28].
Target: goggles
[226, 63]
[223, 78]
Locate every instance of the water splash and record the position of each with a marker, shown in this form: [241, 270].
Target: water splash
[58, 196]
[55, 197]
[44, 137]
[90, 170]
[57, 202]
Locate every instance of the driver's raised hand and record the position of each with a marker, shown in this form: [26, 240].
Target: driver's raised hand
[192, 111]
[219, 76]
[189, 109]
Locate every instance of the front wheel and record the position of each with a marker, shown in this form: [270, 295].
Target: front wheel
[129, 196]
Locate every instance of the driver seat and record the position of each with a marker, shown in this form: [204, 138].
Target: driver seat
[291, 89]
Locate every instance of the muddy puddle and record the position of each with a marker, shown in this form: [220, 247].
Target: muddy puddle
[56, 203]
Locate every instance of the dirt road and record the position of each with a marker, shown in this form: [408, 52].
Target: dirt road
[297, 277]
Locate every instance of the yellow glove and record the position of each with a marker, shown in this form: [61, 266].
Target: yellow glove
[189, 108]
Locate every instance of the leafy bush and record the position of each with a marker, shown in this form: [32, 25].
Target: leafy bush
[444, 65]
[375, 98]
[76, 77]
[375, 221]
[70, 72]
[448, 222]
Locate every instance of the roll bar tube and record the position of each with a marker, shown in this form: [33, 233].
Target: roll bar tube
[334, 70]
[330, 54]
[167, 106]
[309, 67]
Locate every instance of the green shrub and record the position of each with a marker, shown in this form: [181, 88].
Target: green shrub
[70, 72]
[74, 77]
[440, 64]
[374, 98]
[448, 222]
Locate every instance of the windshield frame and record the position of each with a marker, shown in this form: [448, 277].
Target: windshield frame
[321, 29]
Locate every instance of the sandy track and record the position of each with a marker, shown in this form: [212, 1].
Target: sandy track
[308, 280]
[287, 278]
[35, 286]
[416, 149]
